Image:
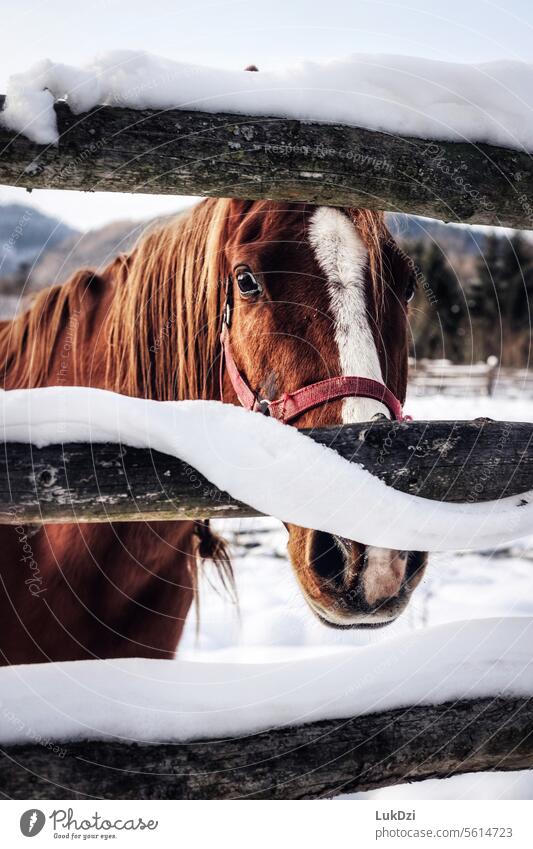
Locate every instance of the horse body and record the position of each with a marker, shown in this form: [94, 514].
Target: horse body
[149, 326]
[106, 590]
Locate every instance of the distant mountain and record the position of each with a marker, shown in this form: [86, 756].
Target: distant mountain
[25, 233]
[454, 239]
[94, 249]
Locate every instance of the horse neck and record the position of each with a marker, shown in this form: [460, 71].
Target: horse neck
[163, 326]
[55, 341]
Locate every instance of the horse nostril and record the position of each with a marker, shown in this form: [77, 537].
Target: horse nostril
[326, 557]
[416, 563]
[350, 585]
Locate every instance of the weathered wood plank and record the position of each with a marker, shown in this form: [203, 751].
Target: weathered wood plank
[222, 155]
[309, 761]
[447, 461]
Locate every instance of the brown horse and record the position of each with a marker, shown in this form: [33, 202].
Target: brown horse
[315, 292]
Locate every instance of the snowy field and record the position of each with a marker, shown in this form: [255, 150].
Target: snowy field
[274, 622]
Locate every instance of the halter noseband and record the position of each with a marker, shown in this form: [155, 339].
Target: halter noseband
[293, 404]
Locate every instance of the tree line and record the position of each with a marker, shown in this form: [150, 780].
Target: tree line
[467, 315]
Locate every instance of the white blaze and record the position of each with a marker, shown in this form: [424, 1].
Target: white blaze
[343, 258]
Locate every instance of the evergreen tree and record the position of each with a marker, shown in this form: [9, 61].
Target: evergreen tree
[484, 296]
[448, 302]
[516, 282]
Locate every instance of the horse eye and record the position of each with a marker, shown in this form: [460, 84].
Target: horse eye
[247, 283]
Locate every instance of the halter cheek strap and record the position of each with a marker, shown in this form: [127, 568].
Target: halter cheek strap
[293, 404]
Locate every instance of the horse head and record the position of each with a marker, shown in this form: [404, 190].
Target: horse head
[315, 293]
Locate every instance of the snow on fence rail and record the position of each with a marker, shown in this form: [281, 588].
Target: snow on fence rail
[177, 151]
[316, 760]
[390, 712]
[475, 461]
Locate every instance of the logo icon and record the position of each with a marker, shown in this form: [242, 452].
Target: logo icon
[32, 822]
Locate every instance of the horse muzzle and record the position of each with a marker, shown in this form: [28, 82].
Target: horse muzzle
[348, 585]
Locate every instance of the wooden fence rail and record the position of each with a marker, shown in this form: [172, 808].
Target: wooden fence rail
[438, 376]
[308, 761]
[198, 153]
[447, 461]
[430, 377]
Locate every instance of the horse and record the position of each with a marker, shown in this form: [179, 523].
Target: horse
[303, 293]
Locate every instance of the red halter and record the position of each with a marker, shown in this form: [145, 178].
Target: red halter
[293, 404]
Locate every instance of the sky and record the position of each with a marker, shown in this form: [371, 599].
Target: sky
[234, 33]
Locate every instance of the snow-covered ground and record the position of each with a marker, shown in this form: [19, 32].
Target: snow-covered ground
[491, 102]
[275, 622]
[218, 694]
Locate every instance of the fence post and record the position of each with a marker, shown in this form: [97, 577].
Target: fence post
[493, 364]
